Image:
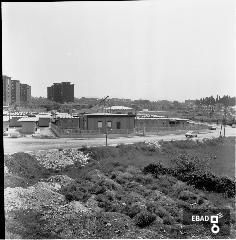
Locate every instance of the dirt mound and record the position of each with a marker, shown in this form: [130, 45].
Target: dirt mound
[24, 165]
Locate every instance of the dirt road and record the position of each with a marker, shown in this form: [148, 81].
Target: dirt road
[24, 144]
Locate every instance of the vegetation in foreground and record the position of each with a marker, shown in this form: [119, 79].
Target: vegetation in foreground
[128, 191]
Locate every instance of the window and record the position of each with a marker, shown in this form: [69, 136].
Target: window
[99, 124]
[109, 124]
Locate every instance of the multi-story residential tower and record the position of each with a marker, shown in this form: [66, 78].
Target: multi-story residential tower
[6, 90]
[15, 92]
[25, 93]
[67, 92]
[49, 93]
[61, 92]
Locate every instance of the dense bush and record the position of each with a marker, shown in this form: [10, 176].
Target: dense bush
[132, 210]
[155, 168]
[192, 170]
[79, 190]
[144, 179]
[144, 219]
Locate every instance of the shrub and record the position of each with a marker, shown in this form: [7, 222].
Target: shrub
[144, 179]
[79, 190]
[144, 219]
[155, 208]
[168, 220]
[132, 210]
[155, 168]
[187, 195]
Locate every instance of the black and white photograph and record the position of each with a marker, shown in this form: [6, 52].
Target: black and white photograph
[119, 119]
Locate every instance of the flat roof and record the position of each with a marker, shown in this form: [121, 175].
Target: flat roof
[119, 108]
[28, 119]
[109, 115]
[162, 118]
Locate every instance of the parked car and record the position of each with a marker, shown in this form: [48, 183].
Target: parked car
[212, 128]
[190, 134]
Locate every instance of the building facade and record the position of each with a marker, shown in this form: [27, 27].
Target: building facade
[25, 93]
[15, 92]
[6, 90]
[103, 121]
[61, 92]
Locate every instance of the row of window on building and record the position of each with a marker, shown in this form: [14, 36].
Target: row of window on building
[15, 92]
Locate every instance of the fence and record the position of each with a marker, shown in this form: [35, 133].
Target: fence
[60, 132]
[89, 133]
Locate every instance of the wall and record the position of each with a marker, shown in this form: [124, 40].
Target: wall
[158, 122]
[5, 125]
[14, 122]
[44, 122]
[125, 122]
[79, 133]
[28, 127]
[68, 123]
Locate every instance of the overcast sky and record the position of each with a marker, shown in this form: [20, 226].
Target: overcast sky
[163, 49]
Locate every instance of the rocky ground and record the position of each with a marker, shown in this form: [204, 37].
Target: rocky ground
[87, 193]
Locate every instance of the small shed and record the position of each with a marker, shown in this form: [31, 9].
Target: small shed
[44, 120]
[28, 125]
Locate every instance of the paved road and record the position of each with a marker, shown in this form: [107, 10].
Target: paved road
[24, 144]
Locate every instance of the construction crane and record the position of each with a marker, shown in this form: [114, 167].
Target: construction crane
[101, 102]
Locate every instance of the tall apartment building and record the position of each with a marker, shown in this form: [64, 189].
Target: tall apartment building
[61, 92]
[15, 92]
[6, 90]
[25, 93]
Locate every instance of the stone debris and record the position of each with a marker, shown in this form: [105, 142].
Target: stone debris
[6, 170]
[57, 159]
[34, 197]
[57, 182]
[154, 144]
[70, 220]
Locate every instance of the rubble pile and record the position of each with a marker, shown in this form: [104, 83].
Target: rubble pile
[57, 182]
[71, 220]
[35, 197]
[154, 144]
[6, 169]
[57, 159]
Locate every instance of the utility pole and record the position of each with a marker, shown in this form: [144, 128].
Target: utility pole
[105, 119]
[225, 118]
